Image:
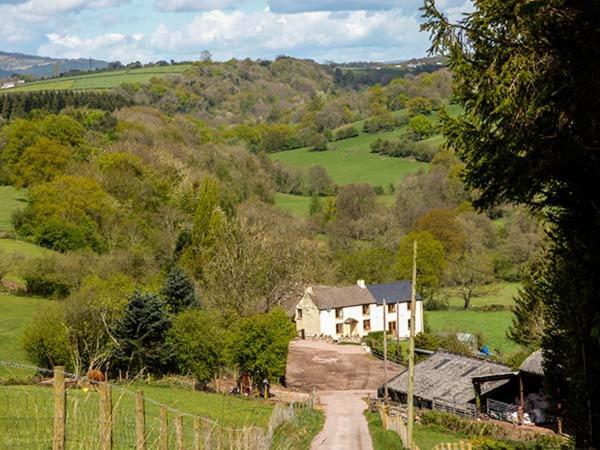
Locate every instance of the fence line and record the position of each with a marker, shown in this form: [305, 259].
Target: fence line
[467, 411]
[77, 414]
[395, 422]
[461, 445]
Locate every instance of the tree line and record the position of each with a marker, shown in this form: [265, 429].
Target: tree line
[19, 104]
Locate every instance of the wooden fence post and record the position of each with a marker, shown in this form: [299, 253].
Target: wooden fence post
[197, 433]
[105, 417]
[140, 421]
[163, 443]
[60, 416]
[208, 435]
[180, 441]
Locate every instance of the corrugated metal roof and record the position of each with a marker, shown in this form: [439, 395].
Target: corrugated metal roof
[448, 376]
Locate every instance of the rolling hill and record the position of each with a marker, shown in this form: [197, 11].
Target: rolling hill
[101, 80]
[42, 66]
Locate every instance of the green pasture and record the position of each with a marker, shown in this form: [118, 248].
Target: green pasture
[28, 411]
[16, 314]
[495, 294]
[22, 248]
[492, 325]
[102, 80]
[299, 205]
[11, 199]
[351, 161]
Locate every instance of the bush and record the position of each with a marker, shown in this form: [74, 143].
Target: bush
[379, 190]
[198, 344]
[403, 148]
[381, 122]
[260, 344]
[318, 143]
[345, 133]
[45, 339]
[487, 435]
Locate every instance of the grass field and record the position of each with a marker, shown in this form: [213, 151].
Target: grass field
[28, 410]
[102, 80]
[351, 161]
[10, 200]
[493, 326]
[22, 248]
[16, 314]
[299, 205]
[500, 294]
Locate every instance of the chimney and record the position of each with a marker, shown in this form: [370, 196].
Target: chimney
[361, 283]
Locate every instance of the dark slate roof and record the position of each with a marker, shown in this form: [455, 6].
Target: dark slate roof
[398, 291]
[448, 376]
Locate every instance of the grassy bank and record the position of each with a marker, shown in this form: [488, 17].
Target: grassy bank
[16, 314]
[11, 199]
[300, 432]
[425, 436]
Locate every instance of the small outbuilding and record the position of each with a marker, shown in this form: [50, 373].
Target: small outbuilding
[445, 381]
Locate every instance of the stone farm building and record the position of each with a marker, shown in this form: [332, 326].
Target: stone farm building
[354, 311]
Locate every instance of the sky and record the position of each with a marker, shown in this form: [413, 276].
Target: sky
[150, 30]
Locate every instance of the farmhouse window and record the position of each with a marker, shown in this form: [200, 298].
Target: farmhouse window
[408, 306]
[339, 328]
[365, 309]
[299, 313]
[367, 325]
[392, 327]
[338, 313]
[391, 307]
[409, 325]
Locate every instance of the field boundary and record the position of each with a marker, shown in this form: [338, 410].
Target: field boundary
[86, 413]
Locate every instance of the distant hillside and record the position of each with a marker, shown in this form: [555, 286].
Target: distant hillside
[41, 66]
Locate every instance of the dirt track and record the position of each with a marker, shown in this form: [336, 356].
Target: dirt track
[326, 367]
[345, 425]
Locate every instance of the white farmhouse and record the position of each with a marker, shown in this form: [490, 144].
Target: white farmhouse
[357, 310]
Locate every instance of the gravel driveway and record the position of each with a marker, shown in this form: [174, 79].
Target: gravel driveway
[326, 367]
[345, 425]
[342, 375]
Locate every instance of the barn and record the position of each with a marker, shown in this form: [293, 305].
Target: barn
[444, 381]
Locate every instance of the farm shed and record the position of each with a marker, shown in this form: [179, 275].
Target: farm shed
[446, 378]
[524, 396]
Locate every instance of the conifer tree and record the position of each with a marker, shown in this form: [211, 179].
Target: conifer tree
[178, 291]
[527, 327]
[141, 335]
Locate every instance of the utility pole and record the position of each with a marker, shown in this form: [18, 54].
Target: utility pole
[385, 377]
[411, 352]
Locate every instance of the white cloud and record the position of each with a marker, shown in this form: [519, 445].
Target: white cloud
[110, 47]
[295, 6]
[195, 5]
[24, 21]
[237, 33]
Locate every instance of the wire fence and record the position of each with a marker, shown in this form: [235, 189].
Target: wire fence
[72, 412]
